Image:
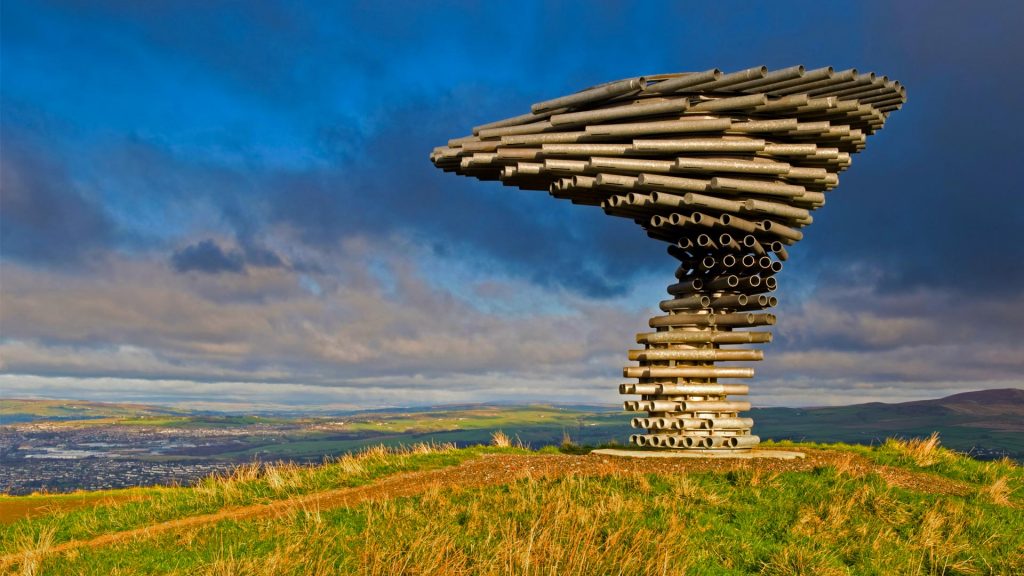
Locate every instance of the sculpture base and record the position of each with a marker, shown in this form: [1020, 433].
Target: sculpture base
[712, 454]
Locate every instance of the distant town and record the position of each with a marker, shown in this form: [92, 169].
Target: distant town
[57, 446]
[95, 448]
[56, 457]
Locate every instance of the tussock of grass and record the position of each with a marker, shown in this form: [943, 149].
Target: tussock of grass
[999, 491]
[923, 451]
[32, 547]
[500, 440]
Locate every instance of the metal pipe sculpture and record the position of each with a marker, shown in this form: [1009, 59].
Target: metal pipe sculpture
[725, 168]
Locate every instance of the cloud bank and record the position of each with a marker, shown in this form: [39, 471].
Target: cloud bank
[234, 205]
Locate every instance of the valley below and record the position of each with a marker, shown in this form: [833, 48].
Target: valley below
[58, 446]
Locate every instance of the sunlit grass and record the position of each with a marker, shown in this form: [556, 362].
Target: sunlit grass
[843, 518]
[247, 484]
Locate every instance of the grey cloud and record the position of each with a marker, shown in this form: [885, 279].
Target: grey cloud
[393, 188]
[399, 331]
[265, 323]
[258, 255]
[388, 188]
[44, 217]
[934, 200]
[208, 257]
[850, 329]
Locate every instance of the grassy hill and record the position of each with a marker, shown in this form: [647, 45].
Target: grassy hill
[14, 410]
[903, 507]
[985, 423]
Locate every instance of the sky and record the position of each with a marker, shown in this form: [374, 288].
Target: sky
[230, 204]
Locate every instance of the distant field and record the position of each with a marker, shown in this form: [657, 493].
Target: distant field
[898, 508]
[13, 410]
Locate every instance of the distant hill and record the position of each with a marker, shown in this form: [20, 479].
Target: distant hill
[14, 411]
[986, 423]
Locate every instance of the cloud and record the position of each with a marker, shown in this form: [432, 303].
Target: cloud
[208, 257]
[850, 329]
[382, 329]
[254, 204]
[374, 314]
[45, 217]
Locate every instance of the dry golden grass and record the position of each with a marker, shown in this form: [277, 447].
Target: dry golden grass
[501, 440]
[840, 518]
[940, 541]
[796, 559]
[289, 557]
[33, 548]
[999, 491]
[923, 451]
[287, 477]
[566, 439]
[543, 528]
[846, 465]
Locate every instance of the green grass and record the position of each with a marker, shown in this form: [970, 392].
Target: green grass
[826, 520]
[249, 484]
[942, 462]
[13, 410]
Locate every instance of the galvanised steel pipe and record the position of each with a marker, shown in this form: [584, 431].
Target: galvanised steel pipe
[694, 301]
[694, 406]
[727, 170]
[685, 372]
[730, 423]
[685, 81]
[770, 78]
[707, 165]
[596, 94]
[698, 144]
[734, 79]
[816, 75]
[681, 126]
[684, 389]
[638, 109]
[702, 389]
[704, 337]
[698, 354]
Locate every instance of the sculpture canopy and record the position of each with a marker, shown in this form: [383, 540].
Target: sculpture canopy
[725, 168]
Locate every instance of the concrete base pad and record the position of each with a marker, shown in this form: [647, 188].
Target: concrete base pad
[713, 454]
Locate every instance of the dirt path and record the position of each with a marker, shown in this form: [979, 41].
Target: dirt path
[491, 470]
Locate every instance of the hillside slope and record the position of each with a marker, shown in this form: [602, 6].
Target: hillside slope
[898, 508]
[17, 410]
[986, 423]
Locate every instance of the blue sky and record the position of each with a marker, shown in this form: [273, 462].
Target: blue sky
[232, 204]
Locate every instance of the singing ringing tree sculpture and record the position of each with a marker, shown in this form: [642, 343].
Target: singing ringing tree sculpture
[726, 169]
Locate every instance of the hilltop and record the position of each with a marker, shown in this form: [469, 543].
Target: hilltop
[903, 507]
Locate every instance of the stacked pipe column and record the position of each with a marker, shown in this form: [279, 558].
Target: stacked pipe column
[706, 322]
[726, 169]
